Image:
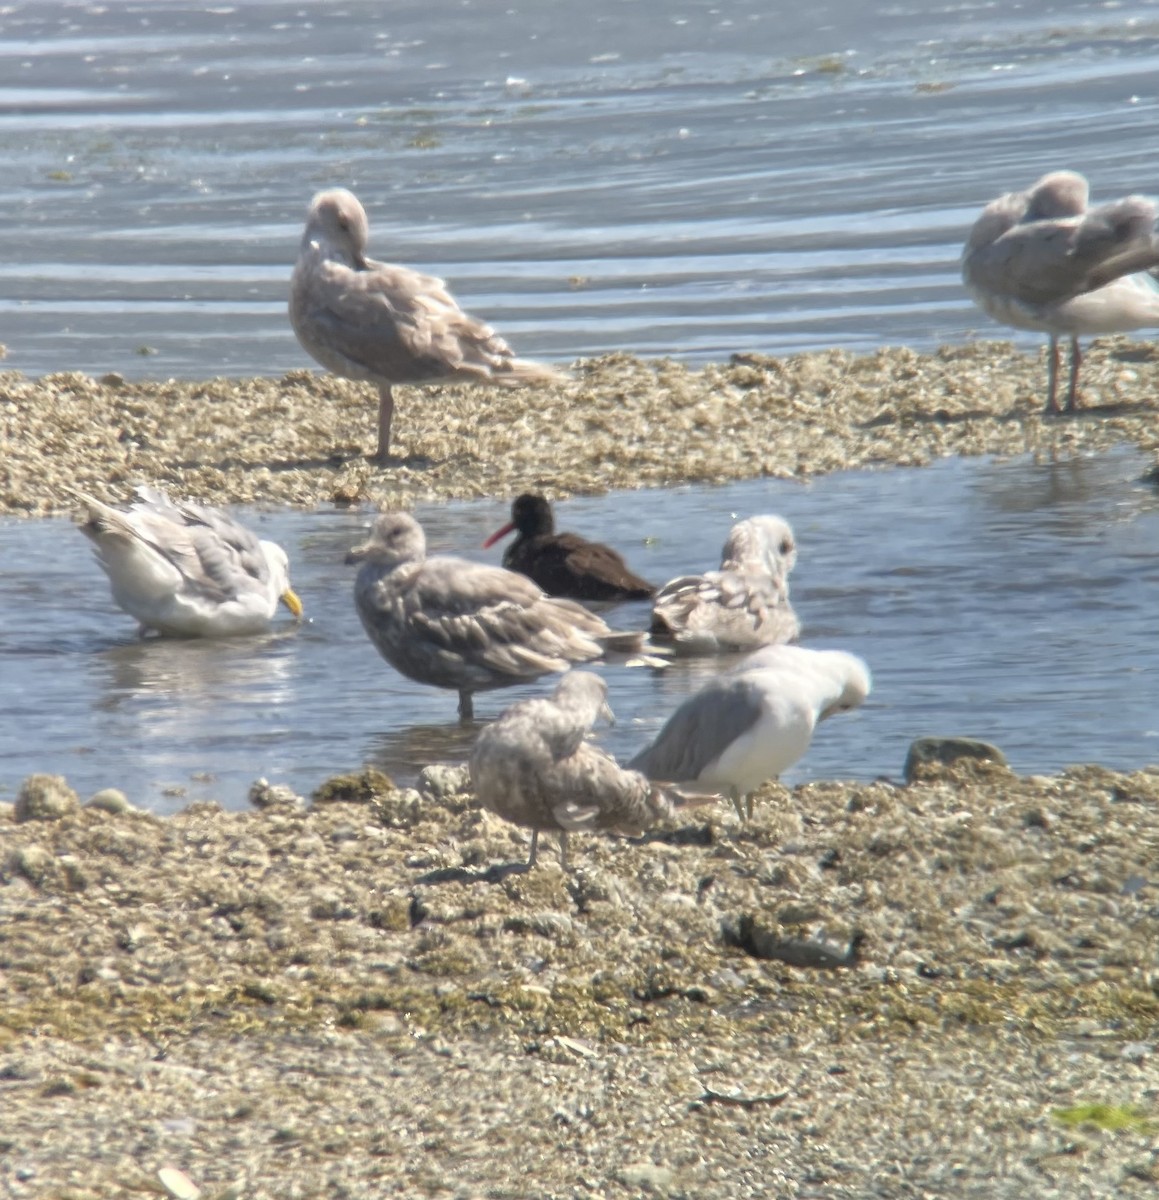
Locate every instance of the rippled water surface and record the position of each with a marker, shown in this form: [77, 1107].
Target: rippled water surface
[1010, 601]
[687, 179]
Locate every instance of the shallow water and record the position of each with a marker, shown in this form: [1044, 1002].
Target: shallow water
[1009, 601]
[693, 180]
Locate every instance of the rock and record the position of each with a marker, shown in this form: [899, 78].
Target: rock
[649, 1177]
[265, 795]
[45, 798]
[441, 780]
[360, 788]
[34, 862]
[400, 809]
[746, 934]
[946, 750]
[110, 800]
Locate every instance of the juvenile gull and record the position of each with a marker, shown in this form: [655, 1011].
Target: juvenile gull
[743, 605]
[187, 570]
[452, 623]
[385, 324]
[565, 564]
[533, 767]
[747, 726]
[1042, 260]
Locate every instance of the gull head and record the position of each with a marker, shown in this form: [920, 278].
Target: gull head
[585, 694]
[279, 564]
[763, 543]
[337, 222]
[851, 675]
[395, 538]
[1056, 195]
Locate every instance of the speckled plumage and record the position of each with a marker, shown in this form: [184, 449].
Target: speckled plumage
[740, 607]
[1042, 260]
[452, 623]
[534, 767]
[385, 324]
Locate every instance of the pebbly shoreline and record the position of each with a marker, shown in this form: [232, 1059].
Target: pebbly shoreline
[624, 422]
[343, 998]
[348, 999]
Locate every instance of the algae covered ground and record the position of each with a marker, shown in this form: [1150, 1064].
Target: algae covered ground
[353, 997]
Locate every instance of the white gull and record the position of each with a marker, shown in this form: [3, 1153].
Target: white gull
[747, 726]
[187, 570]
[1042, 260]
[385, 324]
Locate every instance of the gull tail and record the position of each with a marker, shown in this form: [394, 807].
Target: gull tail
[515, 372]
[100, 518]
[633, 648]
[682, 796]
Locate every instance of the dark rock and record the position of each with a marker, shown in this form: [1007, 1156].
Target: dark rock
[943, 751]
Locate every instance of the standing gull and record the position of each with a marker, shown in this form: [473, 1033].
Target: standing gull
[533, 767]
[749, 725]
[740, 607]
[452, 623]
[565, 564]
[187, 570]
[1042, 260]
[384, 324]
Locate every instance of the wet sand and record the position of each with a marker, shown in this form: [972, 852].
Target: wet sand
[343, 999]
[303, 439]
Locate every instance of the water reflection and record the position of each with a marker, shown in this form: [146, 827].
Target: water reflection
[192, 674]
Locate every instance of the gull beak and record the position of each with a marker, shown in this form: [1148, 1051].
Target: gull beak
[290, 599]
[607, 714]
[357, 554]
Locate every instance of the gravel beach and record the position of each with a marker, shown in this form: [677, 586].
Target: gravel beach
[348, 1000]
[887, 989]
[623, 422]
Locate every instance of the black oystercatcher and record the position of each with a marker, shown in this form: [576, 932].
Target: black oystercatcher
[565, 564]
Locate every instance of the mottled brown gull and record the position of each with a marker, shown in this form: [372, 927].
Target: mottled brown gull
[750, 724]
[187, 570]
[385, 324]
[534, 767]
[452, 623]
[1042, 260]
[740, 607]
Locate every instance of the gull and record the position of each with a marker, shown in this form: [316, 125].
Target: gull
[452, 623]
[565, 564]
[187, 570]
[740, 607]
[750, 724]
[533, 767]
[385, 324]
[1042, 260]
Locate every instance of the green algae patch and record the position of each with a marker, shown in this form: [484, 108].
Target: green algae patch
[1111, 1118]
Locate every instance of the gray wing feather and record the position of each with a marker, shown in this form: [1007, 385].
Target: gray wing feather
[700, 731]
